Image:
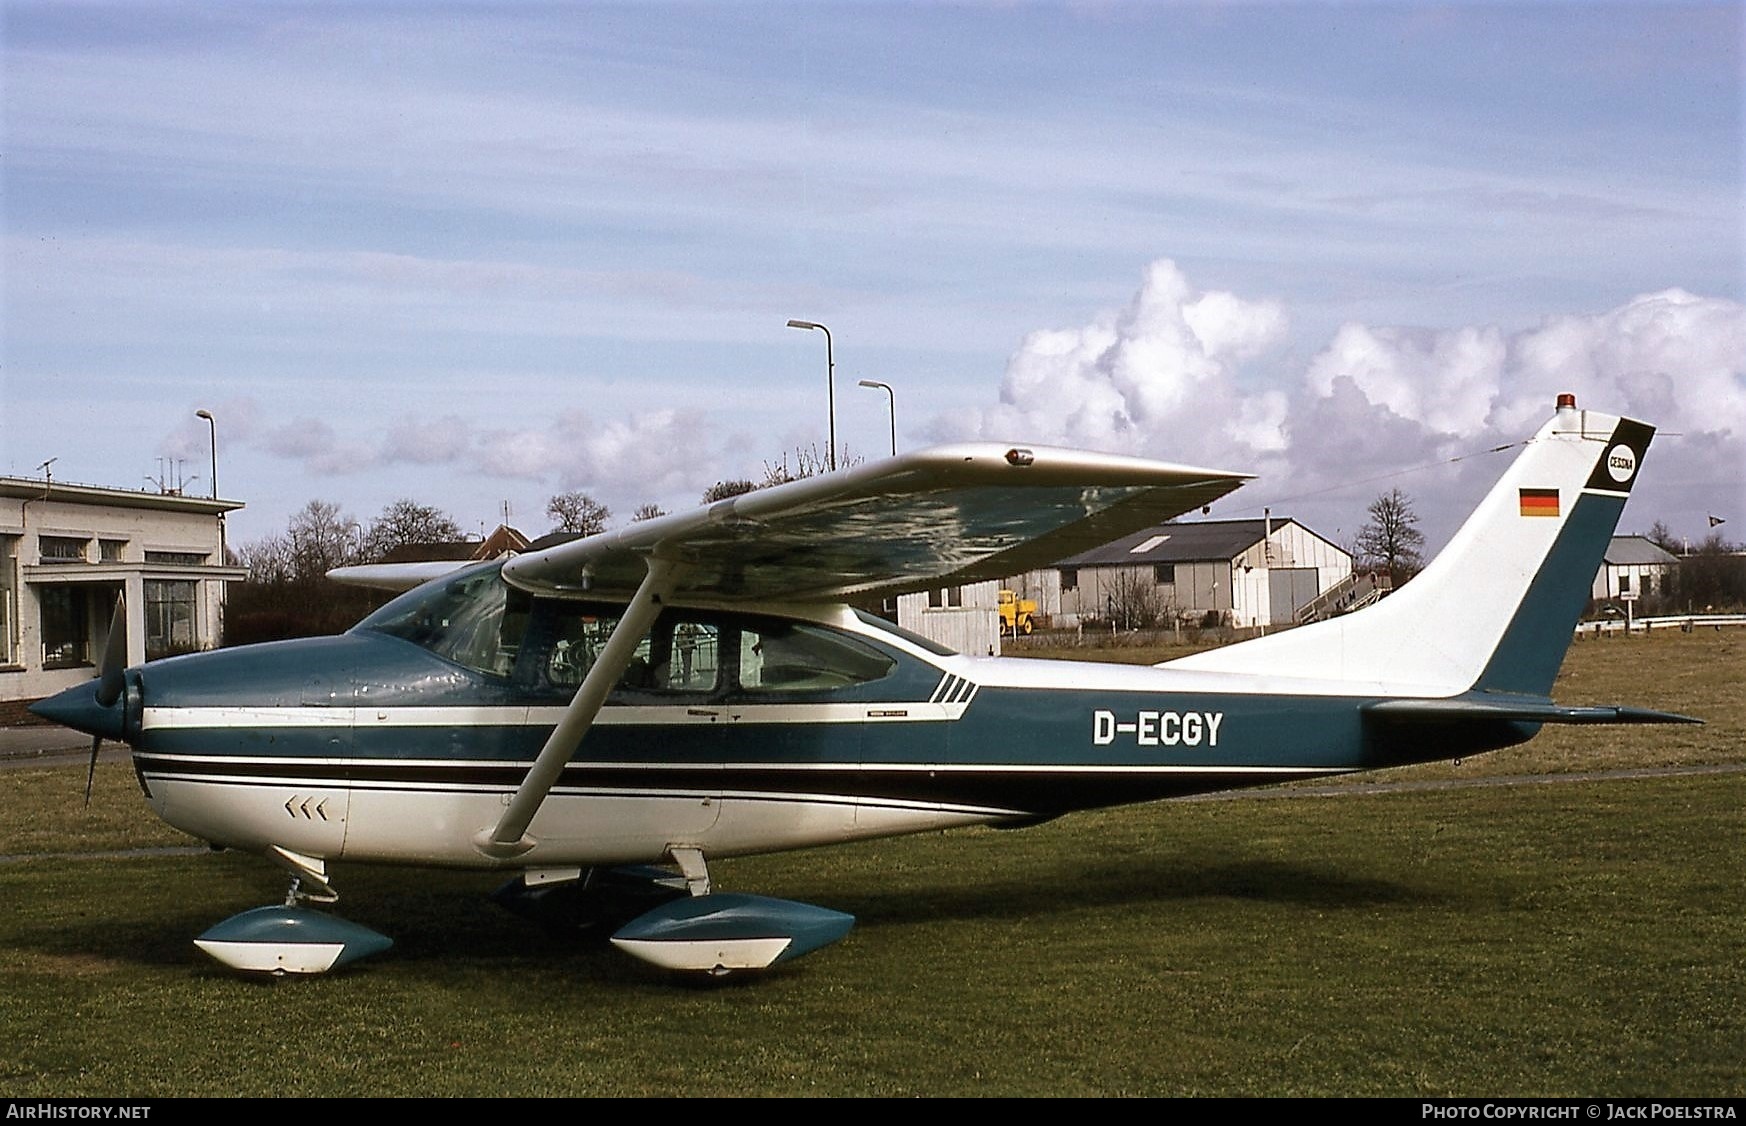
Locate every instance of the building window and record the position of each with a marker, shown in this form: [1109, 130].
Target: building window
[954, 596]
[66, 627]
[169, 624]
[1069, 578]
[8, 599]
[177, 558]
[110, 551]
[62, 549]
[1625, 584]
[1164, 574]
[936, 598]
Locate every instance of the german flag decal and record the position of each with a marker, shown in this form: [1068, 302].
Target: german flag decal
[1539, 502]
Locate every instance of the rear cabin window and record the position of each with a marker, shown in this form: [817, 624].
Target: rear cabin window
[791, 657]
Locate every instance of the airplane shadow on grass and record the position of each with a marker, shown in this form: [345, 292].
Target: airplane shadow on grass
[440, 920]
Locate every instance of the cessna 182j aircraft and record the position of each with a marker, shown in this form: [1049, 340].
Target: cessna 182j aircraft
[700, 686]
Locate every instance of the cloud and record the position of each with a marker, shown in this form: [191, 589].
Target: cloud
[1161, 371]
[1446, 380]
[1170, 376]
[1184, 375]
[1671, 356]
[418, 441]
[661, 453]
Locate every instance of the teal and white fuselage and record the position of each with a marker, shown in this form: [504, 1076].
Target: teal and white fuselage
[519, 716]
[405, 754]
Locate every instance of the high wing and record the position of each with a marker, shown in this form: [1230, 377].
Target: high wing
[939, 516]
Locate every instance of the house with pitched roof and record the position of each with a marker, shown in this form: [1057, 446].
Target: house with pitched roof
[1244, 573]
[1634, 566]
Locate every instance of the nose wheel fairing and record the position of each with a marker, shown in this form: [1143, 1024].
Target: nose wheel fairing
[289, 939]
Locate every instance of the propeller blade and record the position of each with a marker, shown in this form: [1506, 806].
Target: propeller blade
[91, 774]
[110, 682]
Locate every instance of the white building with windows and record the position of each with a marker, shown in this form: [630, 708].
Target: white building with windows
[1633, 567]
[67, 551]
[1251, 572]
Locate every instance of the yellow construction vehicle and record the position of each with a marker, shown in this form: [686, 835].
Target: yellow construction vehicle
[1016, 614]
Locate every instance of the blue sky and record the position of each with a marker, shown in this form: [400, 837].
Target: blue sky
[483, 253]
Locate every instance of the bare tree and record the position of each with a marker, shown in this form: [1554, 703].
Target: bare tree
[1134, 601]
[288, 593]
[1391, 540]
[321, 537]
[268, 560]
[578, 512]
[407, 521]
[808, 462]
[722, 490]
[647, 512]
[1662, 537]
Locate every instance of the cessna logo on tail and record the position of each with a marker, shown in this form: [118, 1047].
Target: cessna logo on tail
[1152, 729]
[1621, 463]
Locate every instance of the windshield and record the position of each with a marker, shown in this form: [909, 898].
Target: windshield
[473, 619]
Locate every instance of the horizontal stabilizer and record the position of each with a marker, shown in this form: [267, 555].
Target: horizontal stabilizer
[1477, 707]
[397, 576]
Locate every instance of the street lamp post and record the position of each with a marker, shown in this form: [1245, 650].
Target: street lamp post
[891, 401]
[212, 432]
[830, 382]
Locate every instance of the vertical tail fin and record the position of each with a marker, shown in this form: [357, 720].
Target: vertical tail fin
[1495, 610]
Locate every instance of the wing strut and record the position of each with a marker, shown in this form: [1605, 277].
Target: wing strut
[510, 838]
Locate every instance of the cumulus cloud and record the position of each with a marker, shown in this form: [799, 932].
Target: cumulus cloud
[1169, 376]
[1671, 356]
[1156, 373]
[1447, 380]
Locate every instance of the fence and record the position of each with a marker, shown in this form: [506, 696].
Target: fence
[1683, 622]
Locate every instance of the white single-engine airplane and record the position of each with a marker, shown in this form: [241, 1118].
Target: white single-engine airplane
[699, 686]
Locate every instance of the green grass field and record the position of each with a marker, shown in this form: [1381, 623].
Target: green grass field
[1582, 937]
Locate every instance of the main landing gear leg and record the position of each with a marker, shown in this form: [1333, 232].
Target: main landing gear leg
[693, 867]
